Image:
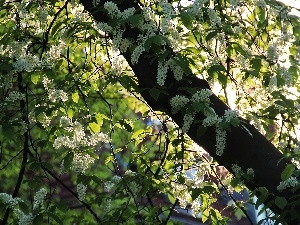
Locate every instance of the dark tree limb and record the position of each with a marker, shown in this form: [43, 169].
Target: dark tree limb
[248, 151]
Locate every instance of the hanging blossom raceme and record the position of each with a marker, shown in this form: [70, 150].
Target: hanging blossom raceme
[54, 94]
[78, 138]
[81, 191]
[38, 199]
[9, 200]
[179, 102]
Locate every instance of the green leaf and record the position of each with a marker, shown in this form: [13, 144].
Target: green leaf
[23, 207]
[109, 159]
[95, 127]
[198, 106]
[211, 35]
[35, 77]
[8, 131]
[281, 202]
[156, 40]
[264, 191]
[195, 193]
[201, 130]
[55, 217]
[75, 97]
[181, 179]
[135, 19]
[154, 92]
[176, 142]
[38, 219]
[171, 198]
[68, 160]
[288, 171]
[126, 124]
[137, 133]
[260, 200]
[222, 78]
[186, 19]
[215, 69]
[205, 215]
[235, 182]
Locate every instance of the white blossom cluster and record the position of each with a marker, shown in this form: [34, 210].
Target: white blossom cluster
[194, 178]
[196, 8]
[202, 96]
[14, 96]
[230, 114]
[196, 204]
[272, 53]
[137, 53]
[81, 162]
[108, 185]
[161, 73]
[273, 83]
[23, 60]
[177, 70]
[52, 55]
[9, 200]
[237, 170]
[117, 65]
[214, 18]
[220, 140]
[211, 120]
[234, 3]
[178, 102]
[81, 191]
[38, 199]
[290, 182]
[24, 219]
[78, 139]
[187, 121]
[114, 11]
[181, 193]
[103, 27]
[54, 94]
[77, 10]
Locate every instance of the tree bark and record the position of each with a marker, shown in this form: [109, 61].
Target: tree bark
[248, 151]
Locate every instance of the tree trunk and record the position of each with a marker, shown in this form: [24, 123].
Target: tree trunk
[248, 151]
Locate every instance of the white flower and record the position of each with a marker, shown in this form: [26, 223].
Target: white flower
[177, 71]
[39, 198]
[196, 207]
[112, 9]
[214, 19]
[162, 73]
[136, 53]
[202, 95]
[23, 218]
[178, 102]
[272, 52]
[81, 191]
[220, 140]
[64, 121]
[187, 121]
[230, 114]
[290, 182]
[108, 185]
[98, 137]
[211, 120]
[104, 27]
[9, 200]
[81, 162]
[237, 170]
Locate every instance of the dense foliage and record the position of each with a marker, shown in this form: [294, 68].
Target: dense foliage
[80, 145]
